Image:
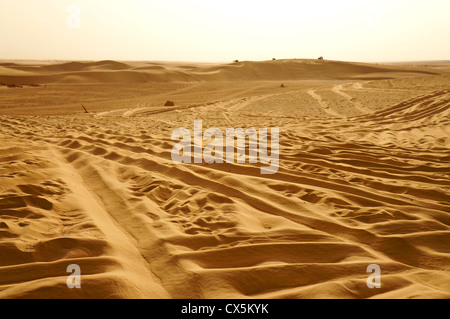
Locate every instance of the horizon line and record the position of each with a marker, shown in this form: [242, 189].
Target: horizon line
[218, 61]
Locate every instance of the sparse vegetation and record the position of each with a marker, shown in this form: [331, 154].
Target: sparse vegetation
[13, 85]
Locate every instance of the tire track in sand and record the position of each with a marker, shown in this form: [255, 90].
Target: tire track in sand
[338, 90]
[323, 104]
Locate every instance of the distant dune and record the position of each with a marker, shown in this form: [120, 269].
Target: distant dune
[139, 72]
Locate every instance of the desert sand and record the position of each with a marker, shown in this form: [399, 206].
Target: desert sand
[364, 178]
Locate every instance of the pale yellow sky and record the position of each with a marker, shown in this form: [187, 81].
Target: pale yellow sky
[210, 30]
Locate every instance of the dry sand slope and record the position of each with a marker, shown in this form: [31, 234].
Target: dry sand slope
[364, 179]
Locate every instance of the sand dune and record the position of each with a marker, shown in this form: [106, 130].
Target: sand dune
[364, 179]
[100, 72]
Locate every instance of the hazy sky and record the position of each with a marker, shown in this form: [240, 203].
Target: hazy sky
[212, 30]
